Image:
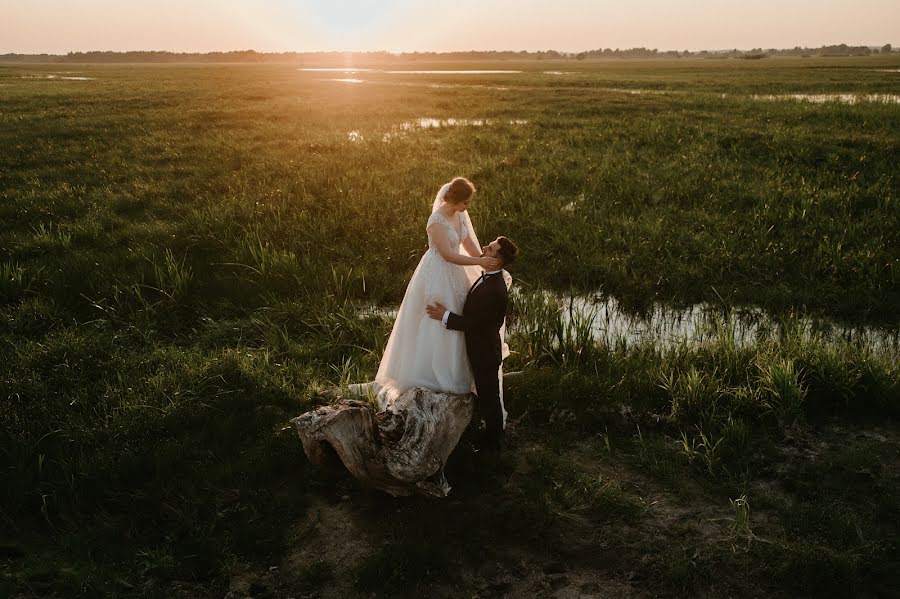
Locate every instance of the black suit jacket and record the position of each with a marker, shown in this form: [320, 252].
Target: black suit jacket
[482, 317]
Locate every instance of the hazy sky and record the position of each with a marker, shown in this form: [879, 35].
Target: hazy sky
[59, 26]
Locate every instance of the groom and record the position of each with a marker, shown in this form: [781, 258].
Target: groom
[482, 317]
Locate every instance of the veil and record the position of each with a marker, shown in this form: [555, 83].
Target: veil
[474, 272]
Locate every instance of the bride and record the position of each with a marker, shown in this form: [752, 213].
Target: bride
[420, 351]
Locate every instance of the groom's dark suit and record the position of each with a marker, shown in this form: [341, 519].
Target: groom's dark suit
[482, 317]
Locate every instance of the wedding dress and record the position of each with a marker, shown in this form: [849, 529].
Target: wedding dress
[421, 352]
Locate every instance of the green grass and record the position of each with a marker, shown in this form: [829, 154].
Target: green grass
[190, 255]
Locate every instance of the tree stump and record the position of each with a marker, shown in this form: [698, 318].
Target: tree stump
[401, 448]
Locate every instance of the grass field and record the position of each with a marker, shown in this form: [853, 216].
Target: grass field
[187, 251]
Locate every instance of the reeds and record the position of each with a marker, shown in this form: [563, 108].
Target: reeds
[718, 394]
[547, 330]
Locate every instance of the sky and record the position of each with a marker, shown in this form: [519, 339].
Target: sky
[60, 26]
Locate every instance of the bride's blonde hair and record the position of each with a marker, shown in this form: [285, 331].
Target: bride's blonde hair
[461, 189]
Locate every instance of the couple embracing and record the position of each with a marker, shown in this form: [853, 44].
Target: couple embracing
[449, 333]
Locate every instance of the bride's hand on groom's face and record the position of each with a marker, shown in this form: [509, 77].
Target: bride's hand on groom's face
[490, 264]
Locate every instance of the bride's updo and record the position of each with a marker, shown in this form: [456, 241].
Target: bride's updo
[461, 189]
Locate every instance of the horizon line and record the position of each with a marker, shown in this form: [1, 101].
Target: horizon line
[471, 51]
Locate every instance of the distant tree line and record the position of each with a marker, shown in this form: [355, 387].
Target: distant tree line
[362, 58]
[835, 50]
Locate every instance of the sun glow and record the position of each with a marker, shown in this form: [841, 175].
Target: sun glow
[349, 18]
[60, 26]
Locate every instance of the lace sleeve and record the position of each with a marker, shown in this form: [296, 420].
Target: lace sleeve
[436, 217]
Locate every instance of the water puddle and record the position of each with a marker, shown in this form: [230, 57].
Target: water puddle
[354, 70]
[575, 205]
[347, 70]
[633, 92]
[546, 316]
[559, 72]
[379, 312]
[64, 77]
[434, 85]
[431, 85]
[844, 98]
[461, 85]
[431, 123]
[449, 72]
[609, 323]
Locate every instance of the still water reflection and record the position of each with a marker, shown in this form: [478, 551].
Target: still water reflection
[63, 77]
[432, 123]
[666, 326]
[834, 98]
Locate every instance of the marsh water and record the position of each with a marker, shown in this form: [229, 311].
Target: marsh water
[410, 71]
[432, 123]
[845, 98]
[56, 76]
[612, 324]
[812, 98]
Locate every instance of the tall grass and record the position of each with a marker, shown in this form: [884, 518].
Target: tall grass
[187, 265]
[714, 395]
[551, 330]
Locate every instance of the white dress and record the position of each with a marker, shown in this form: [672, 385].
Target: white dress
[421, 352]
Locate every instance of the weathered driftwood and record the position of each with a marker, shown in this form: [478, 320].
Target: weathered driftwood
[401, 448]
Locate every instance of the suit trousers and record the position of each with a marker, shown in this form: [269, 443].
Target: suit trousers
[487, 389]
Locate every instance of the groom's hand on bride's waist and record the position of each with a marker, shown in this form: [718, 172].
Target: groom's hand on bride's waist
[436, 310]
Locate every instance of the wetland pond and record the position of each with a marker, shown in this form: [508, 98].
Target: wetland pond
[63, 77]
[835, 98]
[813, 98]
[351, 70]
[665, 326]
[433, 123]
[609, 322]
